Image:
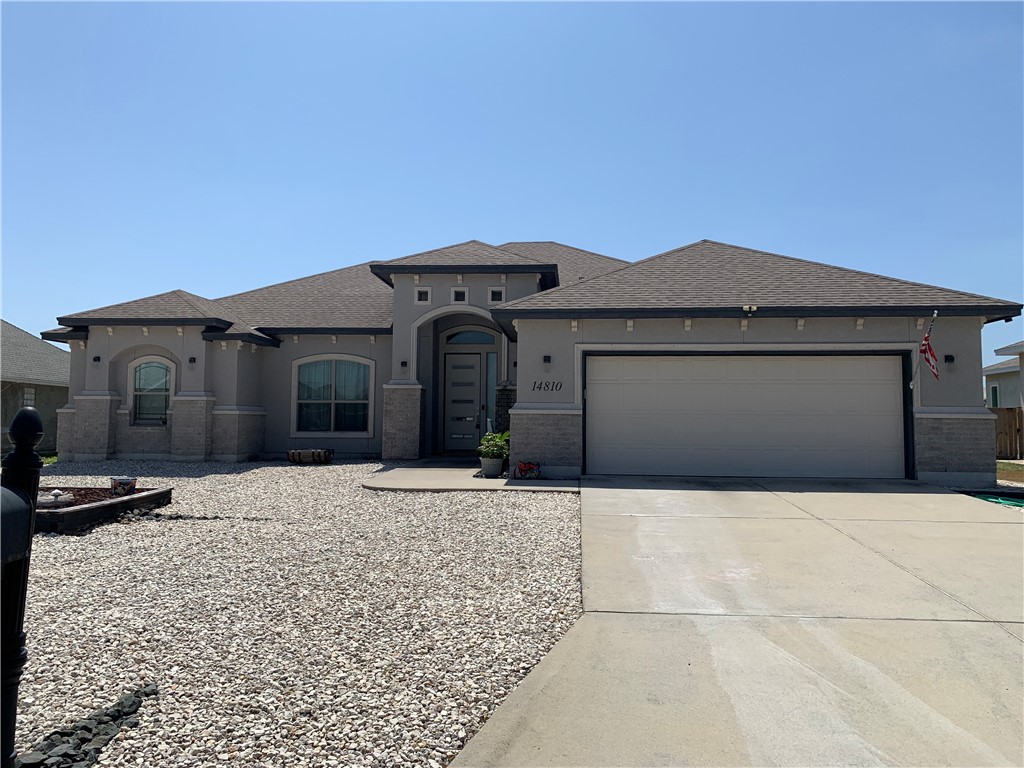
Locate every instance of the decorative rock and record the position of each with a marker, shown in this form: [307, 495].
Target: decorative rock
[291, 617]
[31, 758]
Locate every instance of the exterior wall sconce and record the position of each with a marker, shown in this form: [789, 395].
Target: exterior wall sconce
[191, 361]
[547, 359]
[949, 359]
[404, 363]
[96, 359]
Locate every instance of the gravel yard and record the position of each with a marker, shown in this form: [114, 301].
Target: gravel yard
[291, 617]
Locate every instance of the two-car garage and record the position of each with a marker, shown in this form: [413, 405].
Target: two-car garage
[764, 415]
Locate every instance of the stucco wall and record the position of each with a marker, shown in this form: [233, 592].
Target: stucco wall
[276, 372]
[1009, 389]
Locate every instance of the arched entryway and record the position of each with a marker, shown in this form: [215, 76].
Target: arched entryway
[468, 364]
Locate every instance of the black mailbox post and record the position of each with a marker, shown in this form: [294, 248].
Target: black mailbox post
[20, 486]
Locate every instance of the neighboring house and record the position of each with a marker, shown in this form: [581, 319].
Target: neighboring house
[34, 373]
[710, 359]
[1002, 384]
[1004, 389]
[1007, 377]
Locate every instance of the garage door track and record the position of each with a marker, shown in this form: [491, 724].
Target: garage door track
[780, 622]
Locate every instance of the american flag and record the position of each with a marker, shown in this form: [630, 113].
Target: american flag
[930, 358]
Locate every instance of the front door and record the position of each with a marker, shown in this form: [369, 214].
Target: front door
[462, 402]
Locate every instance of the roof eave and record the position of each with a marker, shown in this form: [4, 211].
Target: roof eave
[991, 314]
[1011, 349]
[548, 272]
[65, 335]
[250, 338]
[325, 331]
[144, 321]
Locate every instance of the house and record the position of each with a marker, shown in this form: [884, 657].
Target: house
[710, 359]
[33, 373]
[1004, 381]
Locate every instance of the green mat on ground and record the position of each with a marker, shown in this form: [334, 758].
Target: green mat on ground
[1001, 500]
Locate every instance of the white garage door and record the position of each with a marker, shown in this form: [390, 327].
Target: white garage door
[755, 416]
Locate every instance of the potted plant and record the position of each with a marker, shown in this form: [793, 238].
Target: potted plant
[493, 451]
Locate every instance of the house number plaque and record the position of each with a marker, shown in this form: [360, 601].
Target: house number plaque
[547, 386]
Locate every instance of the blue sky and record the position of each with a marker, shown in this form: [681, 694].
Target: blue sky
[222, 147]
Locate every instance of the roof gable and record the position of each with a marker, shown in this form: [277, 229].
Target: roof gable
[29, 359]
[715, 278]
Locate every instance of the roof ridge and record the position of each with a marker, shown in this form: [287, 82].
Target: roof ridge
[565, 286]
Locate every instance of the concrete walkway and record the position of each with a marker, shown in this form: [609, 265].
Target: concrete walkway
[457, 474]
[773, 622]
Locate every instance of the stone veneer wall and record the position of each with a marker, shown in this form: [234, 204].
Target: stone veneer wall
[403, 422]
[955, 451]
[66, 433]
[191, 422]
[553, 440]
[95, 429]
[142, 440]
[238, 435]
[504, 399]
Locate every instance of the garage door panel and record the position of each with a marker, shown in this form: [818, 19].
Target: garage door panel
[799, 416]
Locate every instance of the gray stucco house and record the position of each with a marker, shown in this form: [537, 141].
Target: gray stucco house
[1004, 381]
[32, 373]
[710, 359]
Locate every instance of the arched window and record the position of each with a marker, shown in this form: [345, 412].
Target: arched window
[332, 394]
[471, 337]
[150, 380]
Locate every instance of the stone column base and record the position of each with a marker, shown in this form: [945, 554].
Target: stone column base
[403, 406]
[238, 433]
[955, 447]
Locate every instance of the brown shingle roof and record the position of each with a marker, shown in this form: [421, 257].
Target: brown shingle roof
[343, 299]
[171, 308]
[470, 253]
[709, 277]
[28, 359]
[574, 264]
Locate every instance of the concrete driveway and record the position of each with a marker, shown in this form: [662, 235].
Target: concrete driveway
[780, 622]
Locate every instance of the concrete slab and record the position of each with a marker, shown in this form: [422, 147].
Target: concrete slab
[980, 564]
[764, 567]
[682, 497]
[887, 500]
[434, 478]
[628, 690]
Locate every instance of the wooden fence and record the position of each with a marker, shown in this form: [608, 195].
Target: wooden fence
[1009, 433]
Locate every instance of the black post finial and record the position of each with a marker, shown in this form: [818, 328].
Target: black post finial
[26, 429]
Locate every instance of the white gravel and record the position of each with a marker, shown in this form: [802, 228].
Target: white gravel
[294, 618]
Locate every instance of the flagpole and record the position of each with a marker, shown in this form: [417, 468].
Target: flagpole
[917, 359]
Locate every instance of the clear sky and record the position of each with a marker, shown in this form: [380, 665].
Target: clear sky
[222, 147]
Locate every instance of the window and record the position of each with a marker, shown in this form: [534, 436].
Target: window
[994, 400]
[495, 295]
[151, 391]
[470, 337]
[423, 295]
[333, 395]
[460, 295]
[28, 397]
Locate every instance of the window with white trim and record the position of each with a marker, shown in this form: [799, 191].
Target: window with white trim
[496, 295]
[149, 384]
[993, 401]
[332, 394]
[460, 295]
[423, 295]
[28, 397]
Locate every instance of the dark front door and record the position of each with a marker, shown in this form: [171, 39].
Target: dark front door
[462, 412]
